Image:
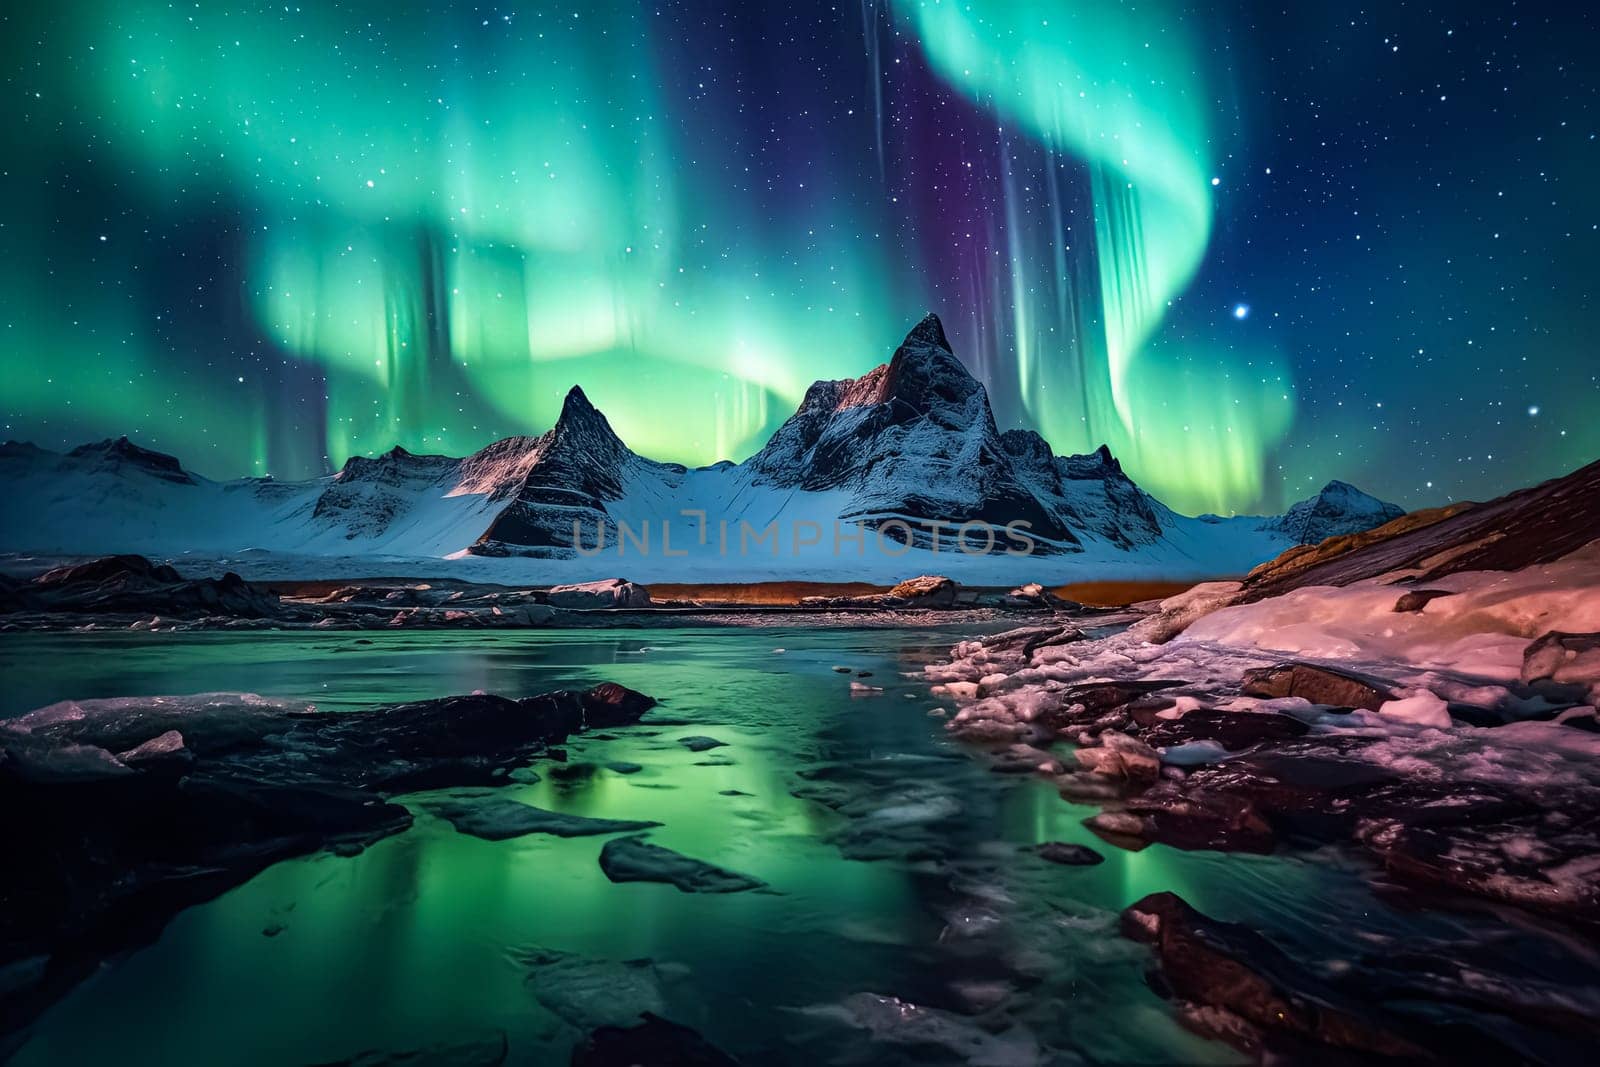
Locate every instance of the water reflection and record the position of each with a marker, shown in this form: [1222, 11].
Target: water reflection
[898, 867]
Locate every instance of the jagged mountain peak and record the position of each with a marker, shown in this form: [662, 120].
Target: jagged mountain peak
[925, 376]
[581, 418]
[397, 464]
[930, 331]
[1097, 464]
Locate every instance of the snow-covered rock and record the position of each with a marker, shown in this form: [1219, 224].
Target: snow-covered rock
[608, 593]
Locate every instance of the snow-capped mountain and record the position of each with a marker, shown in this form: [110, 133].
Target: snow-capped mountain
[871, 478]
[1340, 508]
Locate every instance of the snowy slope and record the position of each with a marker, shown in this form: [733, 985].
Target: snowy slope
[851, 487]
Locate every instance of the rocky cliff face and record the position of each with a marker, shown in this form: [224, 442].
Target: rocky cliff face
[916, 439]
[579, 467]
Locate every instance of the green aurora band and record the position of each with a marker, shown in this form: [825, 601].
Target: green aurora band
[1120, 89]
[444, 227]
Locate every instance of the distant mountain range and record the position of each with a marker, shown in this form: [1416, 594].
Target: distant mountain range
[908, 453]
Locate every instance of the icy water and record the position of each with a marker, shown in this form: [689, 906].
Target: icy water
[897, 862]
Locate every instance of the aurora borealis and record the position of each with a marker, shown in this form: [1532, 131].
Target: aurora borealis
[1251, 250]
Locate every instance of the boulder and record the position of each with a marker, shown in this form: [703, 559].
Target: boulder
[163, 750]
[134, 585]
[1069, 855]
[633, 859]
[927, 591]
[1561, 658]
[496, 819]
[1233, 730]
[608, 593]
[1120, 756]
[1319, 685]
[112, 846]
[1417, 599]
[1250, 994]
[653, 1041]
[1032, 594]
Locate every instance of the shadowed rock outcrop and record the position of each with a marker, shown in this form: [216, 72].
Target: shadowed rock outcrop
[103, 850]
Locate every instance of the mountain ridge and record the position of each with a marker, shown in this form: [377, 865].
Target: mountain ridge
[908, 452]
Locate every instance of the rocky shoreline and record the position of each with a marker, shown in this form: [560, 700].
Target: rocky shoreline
[1419, 696]
[139, 807]
[133, 593]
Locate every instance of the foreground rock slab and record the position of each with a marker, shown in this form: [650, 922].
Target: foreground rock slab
[653, 1041]
[496, 819]
[633, 859]
[1233, 984]
[215, 789]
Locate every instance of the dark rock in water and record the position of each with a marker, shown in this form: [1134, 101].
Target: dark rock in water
[633, 859]
[110, 850]
[1319, 685]
[1249, 994]
[430, 744]
[1117, 755]
[1412, 997]
[1191, 820]
[655, 1042]
[701, 743]
[496, 819]
[165, 750]
[1522, 843]
[586, 992]
[490, 1050]
[1418, 599]
[622, 767]
[1232, 730]
[102, 861]
[1068, 854]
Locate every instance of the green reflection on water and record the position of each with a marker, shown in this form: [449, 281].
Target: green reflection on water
[413, 941]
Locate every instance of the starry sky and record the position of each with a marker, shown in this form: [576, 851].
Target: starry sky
[1251, 246]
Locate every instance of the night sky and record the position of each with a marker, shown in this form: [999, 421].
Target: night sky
[1251, 246]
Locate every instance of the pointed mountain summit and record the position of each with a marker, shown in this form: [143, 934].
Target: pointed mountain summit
[1340, 508]
[916, 439]
[579, 467]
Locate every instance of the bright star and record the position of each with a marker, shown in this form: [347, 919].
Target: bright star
[1533, 409]
[1241, 311]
